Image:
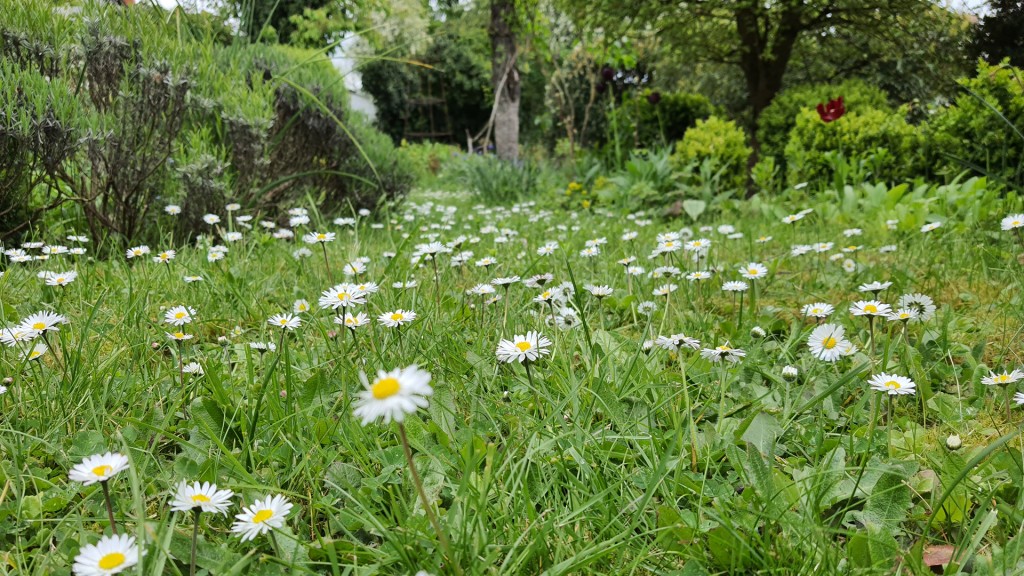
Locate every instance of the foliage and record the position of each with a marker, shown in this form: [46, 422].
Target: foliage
[653, 119]
[983, 130]
[114, 110]
[645, 181]
[894, 150]
[496, 181]
[718, 139]
[428, 159]
[779, 118]
[998, 35]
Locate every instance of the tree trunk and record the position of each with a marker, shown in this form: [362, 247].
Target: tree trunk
[764, 56]
[505, 79]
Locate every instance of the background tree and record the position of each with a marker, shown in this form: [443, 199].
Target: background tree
[1001, 33]
[505, 78]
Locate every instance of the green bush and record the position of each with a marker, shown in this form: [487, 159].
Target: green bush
[111, 113]
[657, 119]
[984, 129]
[892, 148]
[776, 121]
[717, 139]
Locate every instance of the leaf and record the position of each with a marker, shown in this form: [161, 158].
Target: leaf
[762, 432]
[938, 555]
[694, 208]
[887, 505]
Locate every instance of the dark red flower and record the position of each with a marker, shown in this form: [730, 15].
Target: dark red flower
[834, 110]
[653, 98]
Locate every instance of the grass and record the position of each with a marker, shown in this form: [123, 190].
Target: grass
[588, 469]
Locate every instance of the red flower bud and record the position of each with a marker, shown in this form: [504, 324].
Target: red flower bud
[833, 110]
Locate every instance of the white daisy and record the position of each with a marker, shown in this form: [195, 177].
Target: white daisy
[892, 384]
[523, 348]
[827, 343]
[98, 468]
[285, 321]
[111, 555]
[263, 516]
[206, 497]
[179, 315]
[754, 271]
[396, 319]
[393, 395]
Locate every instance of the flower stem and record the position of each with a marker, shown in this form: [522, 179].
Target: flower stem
[110, 506]
[689, 414]
[195, 536]
[427, 507]
[327, 264]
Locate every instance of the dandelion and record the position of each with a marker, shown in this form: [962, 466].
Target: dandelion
[262, 517]
[111, 555]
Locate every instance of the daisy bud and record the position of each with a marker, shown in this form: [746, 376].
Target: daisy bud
[155, 345]
[757, 332]
[954, 442]
[8, 380]
[790, 372]
[284, 393]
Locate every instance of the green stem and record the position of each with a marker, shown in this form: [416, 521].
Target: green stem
[110, 506]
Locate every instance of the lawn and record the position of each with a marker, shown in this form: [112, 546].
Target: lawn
[789, 385]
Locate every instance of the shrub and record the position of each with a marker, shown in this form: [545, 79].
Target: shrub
[984, 129]
[115, 111]
[657, 119]
[892, 148]
[717, 139]
[779, 118]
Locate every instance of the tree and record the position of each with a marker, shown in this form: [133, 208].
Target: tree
[505, 78]
[1001, 33]
[755, 36]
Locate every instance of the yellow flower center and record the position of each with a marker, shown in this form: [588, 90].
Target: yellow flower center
[342, 296]
[201, 498]
[179, 315]
[871, 308]
[1002, 378]
[397, 317]
[724, 348]
[829, 343]
[1015, 223]
[384, 388]
[350, 321]
[111, 561]
[283, 321]
[892, 385]
[39, 326]
[321, 236]
[669, 244]
[34, 354]
[102, 470]
[60, 280]
[262, 516]
[523, 346]
[752, 271]
[545, 295]
[179, 335]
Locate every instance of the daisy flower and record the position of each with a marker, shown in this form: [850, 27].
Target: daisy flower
[342, 296]
[818, 310]
[12, 336]
[754, 271]
[164, 257]
[1013, 221]
[191, 279]
[874, 287]
[665, 289]
[698, 276]
[393, 395]
[1005, 378]
[137, 251]
[36, 352]
[205, 497]
[723, 352]
[599, 291]
[61, 278]
[677, 341]
[930, 227]
[111, 555]
[396, 319]
[318, 237]
[263, 516]
[172, 209]
[827, 342]
[870, 308]
[892, 384]
[352, 322]
[923, 304]
[300, 306]
[735, 286]
[647, 307]
[193, 368]
[1019, 398]
[285, 321]
[98, 468]
[523, 348]
[42, 322]
[211, 219]
[178, 336]
[179, 315]
[354, 268]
